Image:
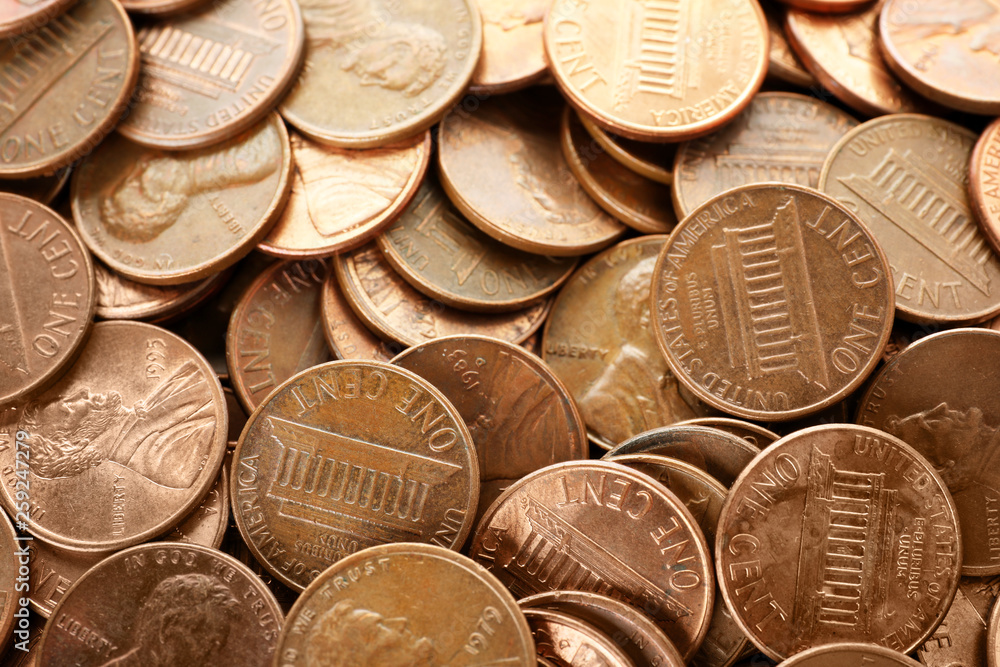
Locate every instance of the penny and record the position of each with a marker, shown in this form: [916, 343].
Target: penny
[773, 301]
[182, 603]
[47, 296]
[953, 419]
[984, 196]
[10, 590]
[521, 417]
[654, 161]
[42, 189]
[207, 524]
[782, 63]
[348, 455]
[502, 167]
[17, 18]
[758, 436]
[993, 638]
[960, 639]
[25, 653]
[125, 445]
[443, 256]
[168, 218]
[819, 540]
[780, 137]
[343, 197]
[600, 527]
[835, 655]
[906, 176]
[377, 71]
[567, 640]
[827, 6]
[160, 7]
[513, 56]
[119, 298]
[639, 202]
[210, 74]
[276, 330]
[394, 310]
[600, 343]
[345, 334]
[665, 71]
[234, 545]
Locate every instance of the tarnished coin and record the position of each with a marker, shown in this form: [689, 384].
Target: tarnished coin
[838, 533]
[513, 56]
[276, 329]
[213, 73]
[939, 395]
[840, 654]
[346, 335]
[348, 455]
[654, 161]
[119, 298]
[47, 296]
[502, 167]
[601, 527]
[164, 603]
[984, 183]
[396, 311]
[42, 189]
[772, 302]
[126, 444]
[782, 63]
[355, 615]
[343, 197]
[906, 177]
[756, 435]
[780, 137]
[520, 415]
[167, 218]
[377, 71]
[443, 256]
[960, 640]
[658, 71]
[599, 341]
[993, 638]
[569, 641]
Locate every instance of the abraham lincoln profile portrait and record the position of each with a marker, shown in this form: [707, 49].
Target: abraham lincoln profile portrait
[349, 636]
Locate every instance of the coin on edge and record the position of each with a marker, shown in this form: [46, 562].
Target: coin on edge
[654, 161]
[119, 298]
[984, 177]
[782, 63]
[852, 653]
[513, 55]
[756, 435]
[567, 640]
[347, 336]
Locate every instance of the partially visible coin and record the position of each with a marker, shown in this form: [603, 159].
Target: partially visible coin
[346, 335]
[13, 584]
[567, 640]
[17, 18]
[654, 161]
[960, 639]
[42, 189]
[513, 56]
[984, 183]
[827, 6]
[837, 655]
[756, 435]
[782, 63]
[52, 571]
[207, 524]
[119, 298]
[993, 638]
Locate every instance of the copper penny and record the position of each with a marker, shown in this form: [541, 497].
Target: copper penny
[47, 296]
[348, 455]
[52, 571]
[601, 527]
[851, 653]
[126, 444]
[353, 614]
[639, 202]
[993, 638]
[960, 640]
[513, 56]
[502, 167]
[838, 533]
[42, 189]
[443, 256]
[18, 17]
[159, 7]
[25, 651]
[571, 642]
[234, 545]
[780, 137]
[599, 341]
[207, 524]
[662, 71]
[906, 177]
[346, 335]
[343, 197]
[758, 436]
[167, 218]
[377, 71]
[519, 413]
[827, 6]
[396, 311]
[772, 302]
[782, 63]
[984, 179]
[211, 74]
[276, 329]
[654, 161]
[940, 396]
[119, 298]
[164, 603]
[13, 554]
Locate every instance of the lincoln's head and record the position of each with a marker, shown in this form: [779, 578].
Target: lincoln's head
[407, 57]
[346, 636]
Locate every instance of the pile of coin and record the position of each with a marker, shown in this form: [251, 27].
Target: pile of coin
[684, 351]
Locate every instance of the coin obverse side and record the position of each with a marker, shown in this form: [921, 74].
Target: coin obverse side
[811, 538]
[772, 302]
[850, 653]
[567, 640]
[348, 455]
[473, 619]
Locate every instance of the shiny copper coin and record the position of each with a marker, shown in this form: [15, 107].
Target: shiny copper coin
[169, 218]
[343, 197]
[601, 527]
[599, 341]
[211, 74]
[346, 335]
[654, 161]
[758, 436]
[828, 6]
[513, 56]
[906, 177]
[782, 63]
[772, 302]
[207, 524]
[993, 638]
[125, 445]
[378, 71]
[662, 71]
[502, 167]
[984, 183]
[17, 17]
[276, 329]
[164, 603]
[348, 455]
[960, 639]
[940, 396]
[119, 298]
[354, 613]
[396, 311]
[443, 256]
[42, 189]
[780, 137]
[570, 642]
[47, 296]
[838, 533]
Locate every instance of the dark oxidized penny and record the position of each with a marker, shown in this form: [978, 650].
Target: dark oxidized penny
[405, 604]
[961, 638]
[984, 183]
[654, 161]
[42, 189]
[513, 56]
[601, 527]
[756, 435]
[772, 302]
[939, 395]
[569, 641]
[838, 533]
[164, 603]
[348, 455]
[119, 298]
[346, 335]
